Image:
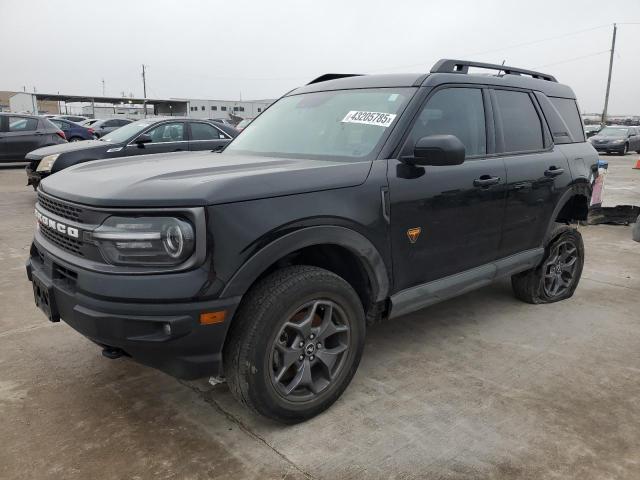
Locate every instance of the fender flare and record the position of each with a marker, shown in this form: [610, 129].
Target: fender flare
[583, 189]
[353, 241]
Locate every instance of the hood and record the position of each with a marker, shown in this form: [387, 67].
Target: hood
[66, 147]
[197, 178]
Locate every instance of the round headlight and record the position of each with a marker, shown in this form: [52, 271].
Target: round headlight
[174, 241]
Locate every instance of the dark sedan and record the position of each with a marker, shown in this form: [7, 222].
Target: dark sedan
[615, 139]
[138, 138]
[73, 131]
[19, 134]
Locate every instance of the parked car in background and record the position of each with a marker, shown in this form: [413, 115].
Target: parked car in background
[103, 127]
[224, 121]
[73, 118]
[243, 124]
[73, 131]
[591, 130]
[149, 136]
[88, 122]
[617, 139]
[19, 134]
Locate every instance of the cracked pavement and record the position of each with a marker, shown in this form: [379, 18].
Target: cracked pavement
[482, 386]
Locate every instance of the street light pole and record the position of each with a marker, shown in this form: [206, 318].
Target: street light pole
[606, 97]
[144, 90]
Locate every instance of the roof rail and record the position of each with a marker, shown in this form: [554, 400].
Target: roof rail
[332, 76]
[447, 65]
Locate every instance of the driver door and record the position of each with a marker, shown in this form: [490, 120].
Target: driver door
[166, 137]
[447, 219]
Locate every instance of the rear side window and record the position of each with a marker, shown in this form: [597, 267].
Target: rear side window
[521, 127]
[568, 110]
[22, 124]
[204, 131]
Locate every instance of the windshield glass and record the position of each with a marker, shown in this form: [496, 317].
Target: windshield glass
[338, 125]
[613, 132]
[124, 133]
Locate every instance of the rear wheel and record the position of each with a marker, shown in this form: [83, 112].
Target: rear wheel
[295, 344]
[558, 275]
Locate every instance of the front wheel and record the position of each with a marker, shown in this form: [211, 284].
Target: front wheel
[75, 139]
[558, 275]
[295, 343]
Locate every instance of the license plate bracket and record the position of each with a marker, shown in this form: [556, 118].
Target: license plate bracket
[45, 298]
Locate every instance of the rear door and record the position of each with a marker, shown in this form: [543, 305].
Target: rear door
[165, 137]
[22, 136]
[537, 172]
[204, 136]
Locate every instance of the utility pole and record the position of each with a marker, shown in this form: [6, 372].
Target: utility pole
[144, 90]
[606, 97]
[103, 89]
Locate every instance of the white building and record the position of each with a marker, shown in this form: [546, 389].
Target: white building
[226, 108]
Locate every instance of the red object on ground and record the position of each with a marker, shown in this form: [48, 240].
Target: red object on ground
[637, 167]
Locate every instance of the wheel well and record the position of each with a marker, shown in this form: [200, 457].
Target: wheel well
[576, 208]
[336, 259]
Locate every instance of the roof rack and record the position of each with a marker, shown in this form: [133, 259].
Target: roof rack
[447, 65]
[332, 76]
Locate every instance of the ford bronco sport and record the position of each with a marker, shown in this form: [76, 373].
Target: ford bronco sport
[351, 199]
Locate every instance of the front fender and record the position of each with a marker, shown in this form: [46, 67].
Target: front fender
[306, 237]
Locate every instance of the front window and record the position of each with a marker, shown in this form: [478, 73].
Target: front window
[613, 132]
[338, 125]
[123, 134]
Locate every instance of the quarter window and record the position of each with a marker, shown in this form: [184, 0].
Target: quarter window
[455, 111]
[568, 110]
[521, 127]
[167, 132]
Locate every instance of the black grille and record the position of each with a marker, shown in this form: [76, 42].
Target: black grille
[65, 210]
[64, 242]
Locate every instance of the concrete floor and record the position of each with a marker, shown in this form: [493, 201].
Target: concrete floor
[479, 387]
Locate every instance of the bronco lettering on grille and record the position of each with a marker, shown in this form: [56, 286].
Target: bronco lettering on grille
[57, 226]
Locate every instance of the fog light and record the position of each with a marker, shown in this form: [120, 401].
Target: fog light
[167, 329]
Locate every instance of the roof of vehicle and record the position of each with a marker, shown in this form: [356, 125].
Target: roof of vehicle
[444, 71]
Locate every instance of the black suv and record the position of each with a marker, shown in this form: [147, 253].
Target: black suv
[351, 199]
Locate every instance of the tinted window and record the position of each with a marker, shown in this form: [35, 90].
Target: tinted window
[167, 132]
[521, 126]
[111, 123]
[60, 124]
[204, 131]
[22, 124]
[455, 111]
[568, 110]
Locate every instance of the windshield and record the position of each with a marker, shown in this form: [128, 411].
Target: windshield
[613, 132]
[122, 134]
[338, 125]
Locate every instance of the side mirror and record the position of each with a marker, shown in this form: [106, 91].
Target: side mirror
[142, 139]
[438, 150]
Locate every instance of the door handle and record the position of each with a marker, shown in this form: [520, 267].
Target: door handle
[553, 172]
[485, 181]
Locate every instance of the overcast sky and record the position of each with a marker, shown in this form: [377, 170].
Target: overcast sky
[261, 49]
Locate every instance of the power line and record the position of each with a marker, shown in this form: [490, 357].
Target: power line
[572, 59]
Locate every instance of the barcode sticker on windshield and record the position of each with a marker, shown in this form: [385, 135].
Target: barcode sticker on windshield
[369, 118]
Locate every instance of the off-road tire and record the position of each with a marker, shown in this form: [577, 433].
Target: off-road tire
[528, 286]
[264, 309]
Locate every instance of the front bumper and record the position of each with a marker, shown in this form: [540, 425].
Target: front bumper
[135, 328]
[609, 147]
